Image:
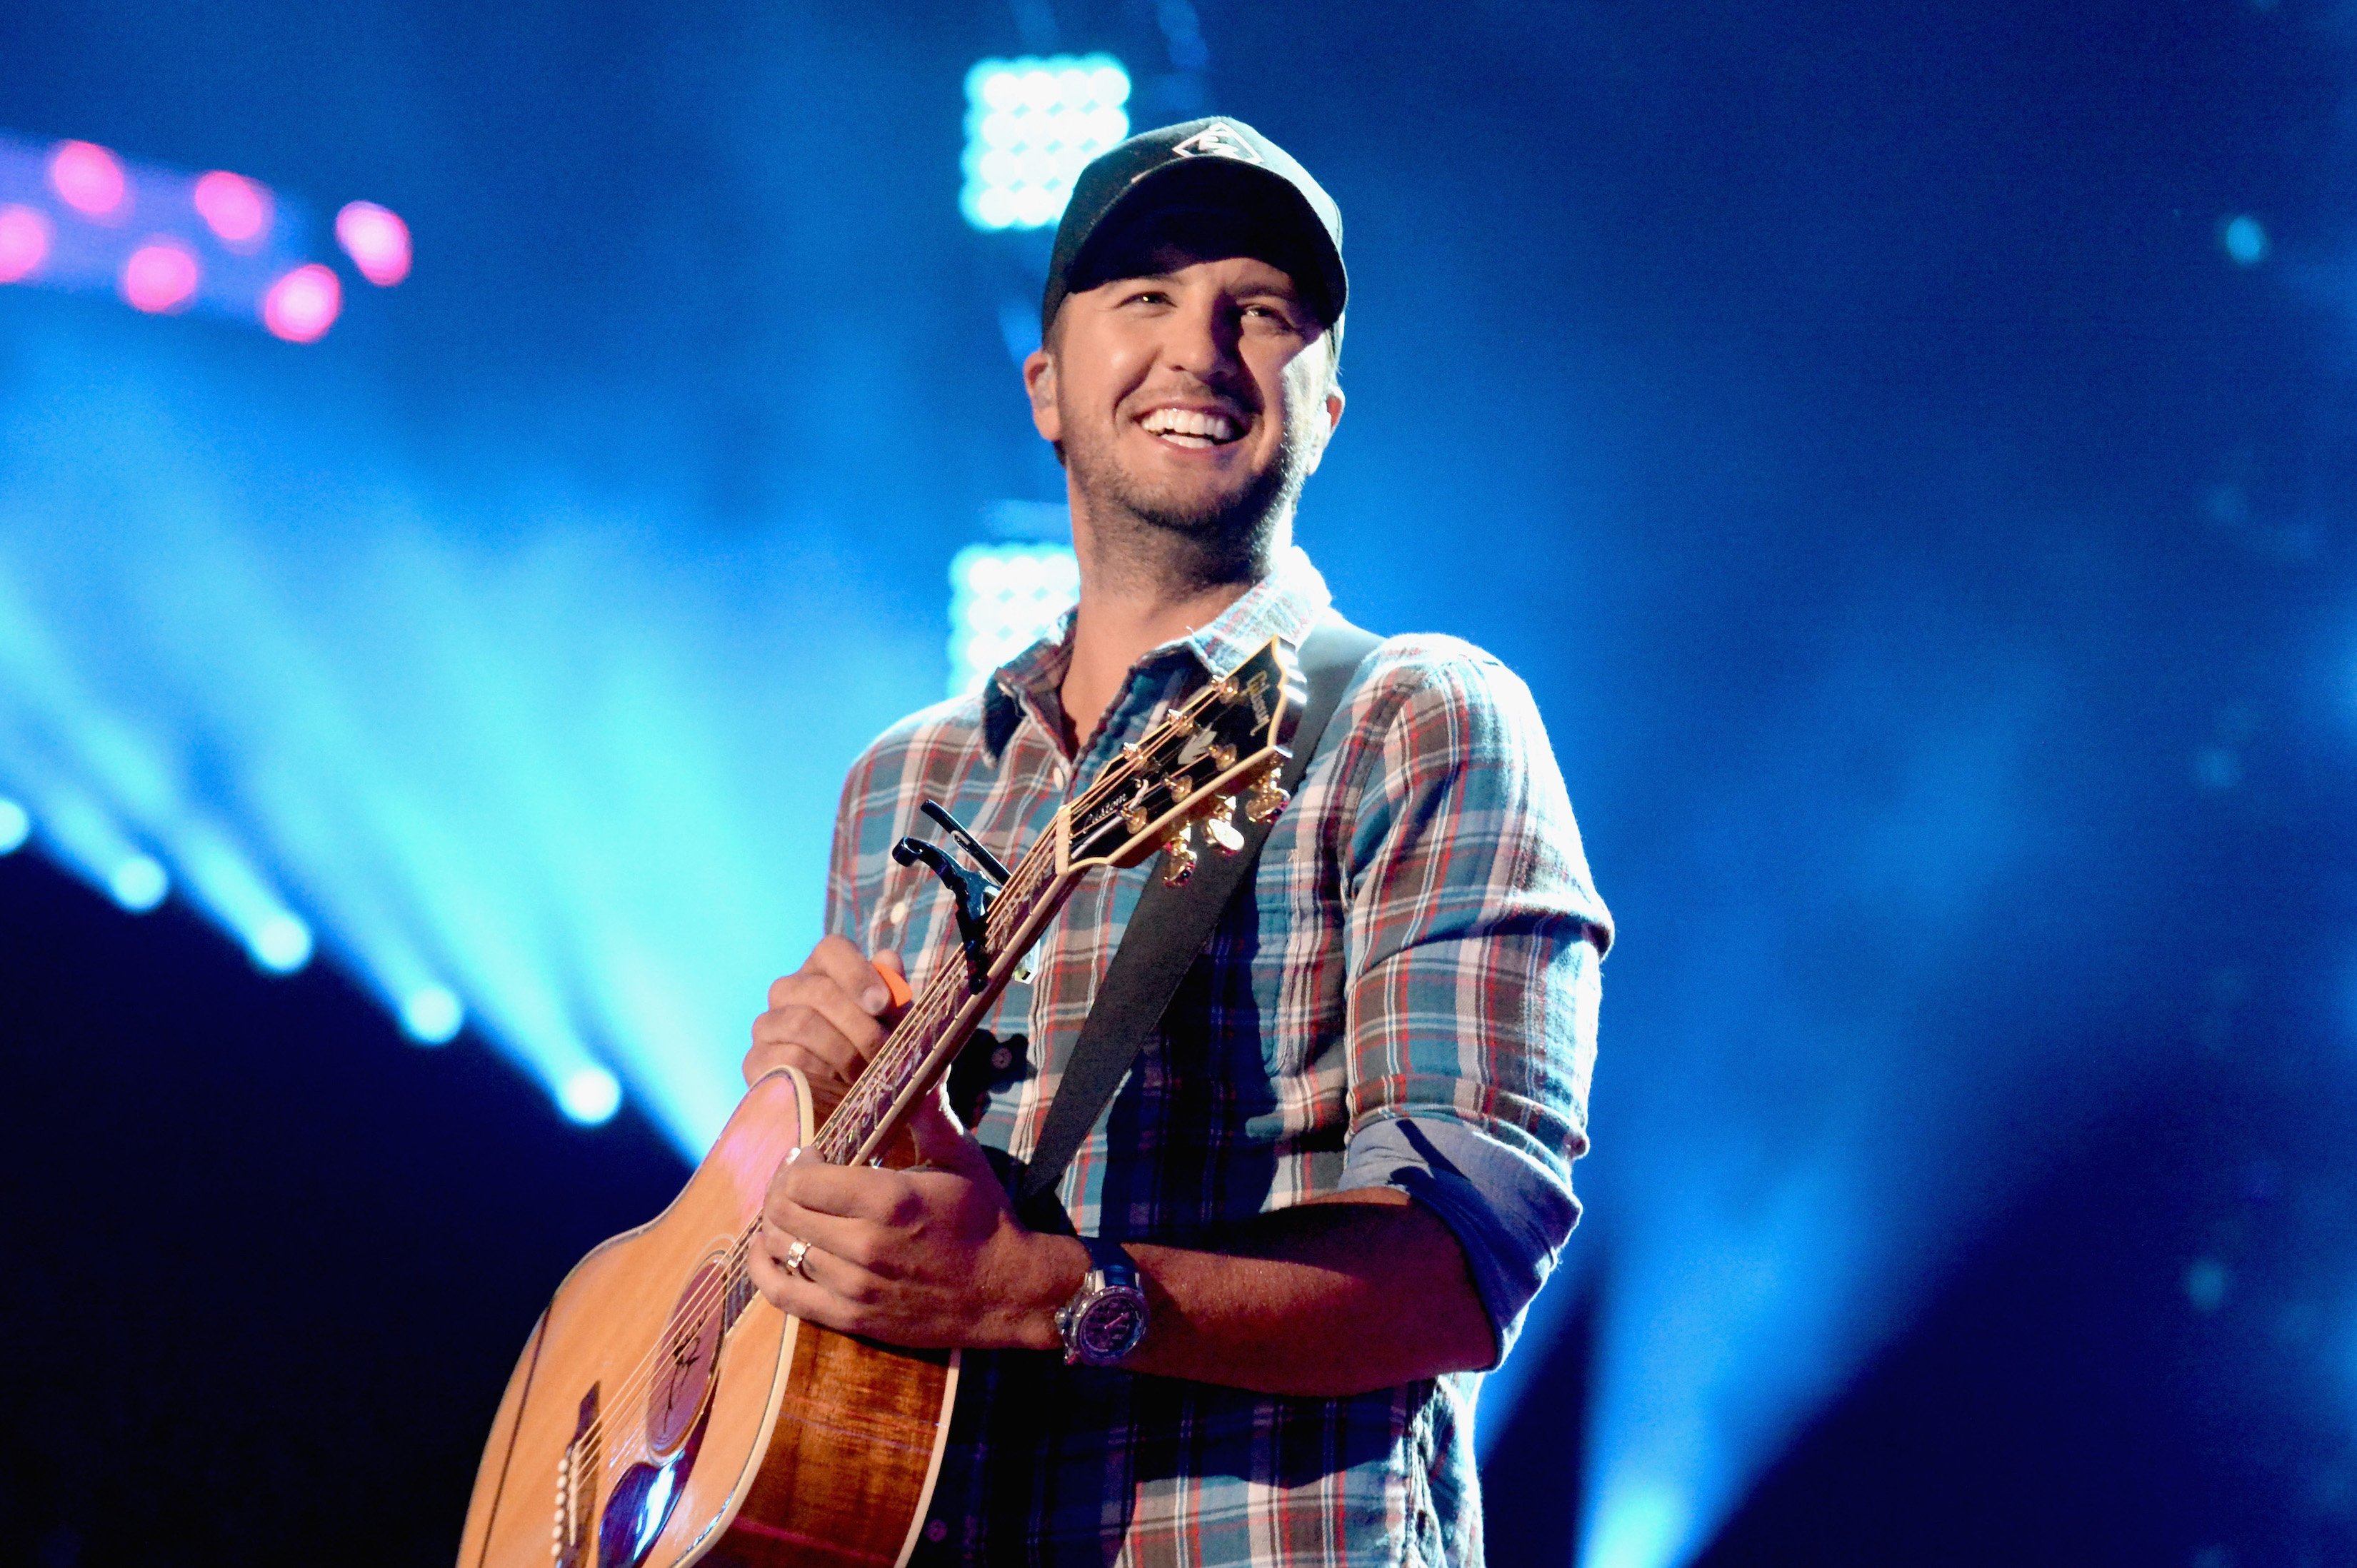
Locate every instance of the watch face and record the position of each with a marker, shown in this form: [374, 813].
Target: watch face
[1110, 1325]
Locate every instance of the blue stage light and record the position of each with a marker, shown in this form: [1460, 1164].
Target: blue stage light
[1031, 126]
[281, 944]
[139, 883]
[2246, 238]
[590, 1096]
[1004, 598]
[1644, 1526]
[222, 881]
[15, 826]
[432, 1015]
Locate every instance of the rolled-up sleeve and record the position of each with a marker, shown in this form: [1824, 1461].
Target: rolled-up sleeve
[1474, 937]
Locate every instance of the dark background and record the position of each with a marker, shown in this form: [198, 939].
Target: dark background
[1930, 548]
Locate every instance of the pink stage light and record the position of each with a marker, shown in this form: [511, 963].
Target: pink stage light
[302, 305]
[23, 242]
[234, 207]
[87, 179]
[376, 240]
[160, 276]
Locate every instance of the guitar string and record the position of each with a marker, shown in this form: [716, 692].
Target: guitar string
[693, 1315]
[940, 1003]
[937, 1007]
[923, 1019]
[942, 998]
[943, 995]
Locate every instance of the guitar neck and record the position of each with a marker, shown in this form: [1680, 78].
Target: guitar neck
[1190, 770]
[929, 1035]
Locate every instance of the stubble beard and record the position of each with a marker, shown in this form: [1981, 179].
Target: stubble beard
[1150, 538]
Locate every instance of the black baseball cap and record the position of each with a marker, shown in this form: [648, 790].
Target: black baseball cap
[1219, 172]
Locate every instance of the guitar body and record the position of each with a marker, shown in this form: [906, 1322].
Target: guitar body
[662, 1413]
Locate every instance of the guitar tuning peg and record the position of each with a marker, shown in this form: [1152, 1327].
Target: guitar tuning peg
[1220, 827]
[1266, 800]
[1178, 859]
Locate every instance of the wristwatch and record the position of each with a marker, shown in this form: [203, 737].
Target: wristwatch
[1106, 1316]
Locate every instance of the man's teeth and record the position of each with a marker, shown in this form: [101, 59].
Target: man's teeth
[1191, 427]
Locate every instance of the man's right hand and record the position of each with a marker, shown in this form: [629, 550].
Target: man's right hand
[827, 1018]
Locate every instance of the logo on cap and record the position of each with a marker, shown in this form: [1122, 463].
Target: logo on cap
[1217, 139]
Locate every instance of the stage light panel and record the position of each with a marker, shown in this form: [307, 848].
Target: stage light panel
[79, 217]
[25, 236]
[1031, 126]
[302, 305]
[1004, 598]
[160, 277]
[376, 240]
[15, 826]
[235, 209]
[90, 179]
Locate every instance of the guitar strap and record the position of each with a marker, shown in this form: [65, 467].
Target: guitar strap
[1168, 931]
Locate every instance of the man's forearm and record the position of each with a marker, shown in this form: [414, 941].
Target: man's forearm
[1362, 1289]
[1361, 1292]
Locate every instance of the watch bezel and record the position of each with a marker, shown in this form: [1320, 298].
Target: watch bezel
[1108, 1291]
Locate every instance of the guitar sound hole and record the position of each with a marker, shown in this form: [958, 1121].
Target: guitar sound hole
[683, 1367]
[678, 1406]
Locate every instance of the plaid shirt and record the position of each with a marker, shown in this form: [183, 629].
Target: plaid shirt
[1413, 950]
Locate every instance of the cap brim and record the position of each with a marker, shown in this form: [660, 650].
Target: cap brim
[1271, 196]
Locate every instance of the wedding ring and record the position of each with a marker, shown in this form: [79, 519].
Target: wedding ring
[794, 1256]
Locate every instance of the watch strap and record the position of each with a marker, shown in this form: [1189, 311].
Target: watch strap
[1110, 1259]
[1112, 1274]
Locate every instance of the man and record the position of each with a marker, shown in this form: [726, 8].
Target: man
[1341, 1166]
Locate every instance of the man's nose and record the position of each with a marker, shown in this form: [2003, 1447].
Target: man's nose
[1204, 339]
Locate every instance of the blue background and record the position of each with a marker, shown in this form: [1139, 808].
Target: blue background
[1928, 544]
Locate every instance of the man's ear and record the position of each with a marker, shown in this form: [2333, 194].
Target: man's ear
[1039, 383]
[1333, 407]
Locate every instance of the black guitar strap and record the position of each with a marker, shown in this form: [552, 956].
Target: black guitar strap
[1169, 927]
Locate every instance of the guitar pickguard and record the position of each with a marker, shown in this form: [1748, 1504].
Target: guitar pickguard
[643, 1500]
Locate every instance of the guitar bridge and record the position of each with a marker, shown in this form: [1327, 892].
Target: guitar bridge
[571, 1532]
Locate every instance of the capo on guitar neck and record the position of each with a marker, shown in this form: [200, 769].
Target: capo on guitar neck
[970, 891]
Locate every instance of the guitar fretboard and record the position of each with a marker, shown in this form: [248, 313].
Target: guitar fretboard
[1189, 767]
[937, 1022]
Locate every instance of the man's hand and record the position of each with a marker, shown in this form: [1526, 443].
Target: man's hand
[827, 1018]
[1363, 1292]
[929, 1257]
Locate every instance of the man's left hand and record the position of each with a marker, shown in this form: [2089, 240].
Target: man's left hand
[929, 1257]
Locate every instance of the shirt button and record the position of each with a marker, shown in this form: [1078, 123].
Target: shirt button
[938, 1531]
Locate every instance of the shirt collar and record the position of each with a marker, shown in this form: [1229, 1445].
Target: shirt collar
[1286, 603]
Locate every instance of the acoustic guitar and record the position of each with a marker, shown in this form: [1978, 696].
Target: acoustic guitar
[662, 1412]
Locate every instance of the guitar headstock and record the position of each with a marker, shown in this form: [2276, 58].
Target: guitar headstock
[1227, 741]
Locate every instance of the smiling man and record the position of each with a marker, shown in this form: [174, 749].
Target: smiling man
[1339, 1168]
